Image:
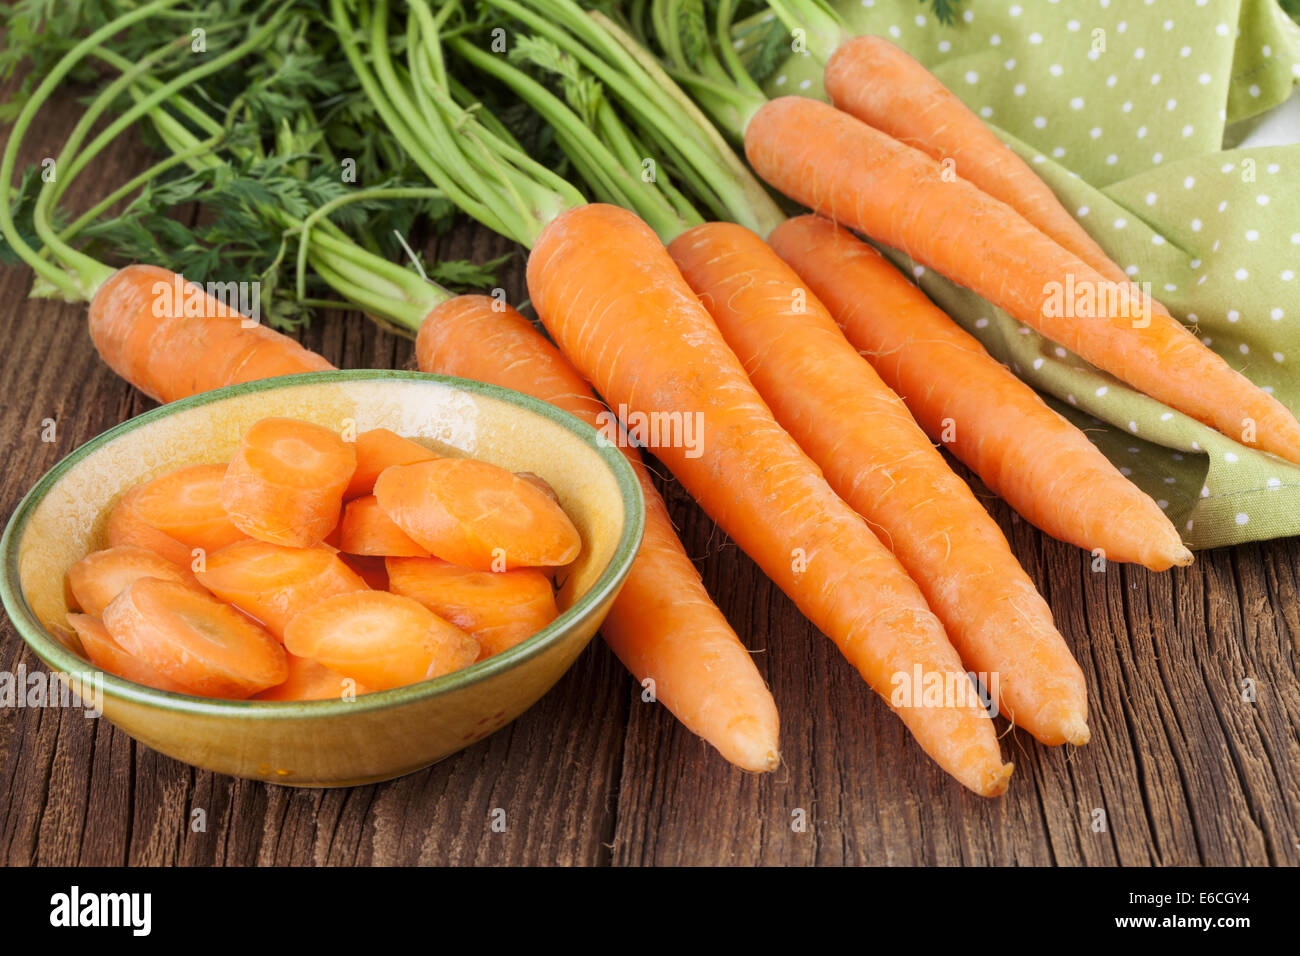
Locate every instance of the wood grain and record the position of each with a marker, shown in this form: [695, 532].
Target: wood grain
[1185, 770]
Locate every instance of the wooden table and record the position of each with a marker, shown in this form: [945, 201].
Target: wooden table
[1183, 768]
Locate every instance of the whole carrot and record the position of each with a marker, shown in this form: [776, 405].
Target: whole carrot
[144, 331]
[663, 626]
[616, 305]
[866, 179]
[877, 459]
[1029, 455]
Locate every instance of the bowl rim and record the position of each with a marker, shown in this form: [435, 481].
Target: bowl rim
[52, 652]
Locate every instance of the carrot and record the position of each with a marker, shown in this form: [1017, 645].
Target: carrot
[879, 461]
[273, 582]
[383, 640]
[365, 529]
[477, 515]
[102, 575]
[141, 327]
[376, 450]
[106, 654]
[663, 626]
[175, 514]
[194, 639]
[309, 680]
[1038, 462]
[612, 299]
[285, 483]
[882, 85]
[857, 175]
[497, 609]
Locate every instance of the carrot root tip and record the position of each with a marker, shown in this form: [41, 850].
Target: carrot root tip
[997, 781]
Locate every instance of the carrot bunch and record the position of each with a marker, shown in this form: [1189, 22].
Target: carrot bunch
[219, 580]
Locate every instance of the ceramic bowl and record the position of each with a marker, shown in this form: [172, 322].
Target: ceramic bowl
[335, 742]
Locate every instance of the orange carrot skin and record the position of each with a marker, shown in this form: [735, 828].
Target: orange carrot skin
[616, 305]
[878, 460]
[377, 449]
[106, 654]
[274, 583]
[663, 626]
[169, 357]
[994, 422]
[882, 85]
[860, 177]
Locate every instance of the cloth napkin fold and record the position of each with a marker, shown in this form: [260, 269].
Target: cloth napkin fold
[1123, 107]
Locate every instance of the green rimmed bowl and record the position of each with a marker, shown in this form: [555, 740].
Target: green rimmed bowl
[327, 743]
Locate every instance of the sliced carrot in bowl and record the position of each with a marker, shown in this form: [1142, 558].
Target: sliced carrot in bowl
[382, 640]
[106, 654]
[194, 639]
[102, 575]
[477, 515]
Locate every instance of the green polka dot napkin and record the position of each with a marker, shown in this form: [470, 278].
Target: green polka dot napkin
[1123, 107]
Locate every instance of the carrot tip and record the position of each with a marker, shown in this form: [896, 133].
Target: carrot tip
[1078, 733]
[997, 781]
[1183, 557]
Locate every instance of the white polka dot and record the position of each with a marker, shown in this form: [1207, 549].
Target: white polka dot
[1082, 211]
[1133, 427]
[1055, 69]
[1151, 199]
[805, 84]
[1131, 270]
[1196, 225]
[780, 80]
[1112, 159]
[1059, 351]
[1230, 456]
[1010, 64]
[1242, 517]
[1058, 151]
[1266, 50]
[1241, 274]
[1185, 52]
[1018, 89]
[1162, 503]
[1252, 235]
[1188, 130]
[1168, 24]
[1166, 416]
[1262, 199]
[1139, 53]
[1274, 483]
[1204, 79]
[1155, 78]
[1039, 122]
[1170, 104]
[1279, 357]
[1254, 89]
[1035, 38]
[986, 111]
[1038, 363]
[1120, 223]
[1228, 167]
[1072, 25]
[1205, 489]
[1170, 480]
[1127, 107]
[1288, 275]
[1159, 240]
[1076, 103]
[1125, 470]
[1095, 132]
[1233, 315]
[920, 20]
[1142, 132]
[972, 76]
[1275, 314]
[1221, 29]
[895, 32]
[981, 323]
[995, 40]
[1102, 391]
[1295, 238]
[1189, 182]
[1157, 157]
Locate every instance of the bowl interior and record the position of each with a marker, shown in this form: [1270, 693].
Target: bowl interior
[65, 515]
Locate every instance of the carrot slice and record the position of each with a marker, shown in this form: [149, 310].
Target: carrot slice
[106, 654]
[383, 640]
[477, 515]
[309, 680]
[195, 639]
[285, 484]
[376, 450]
[365, 529]
[498, 610]
[102, 575]
[174, 514]
[272, 583]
